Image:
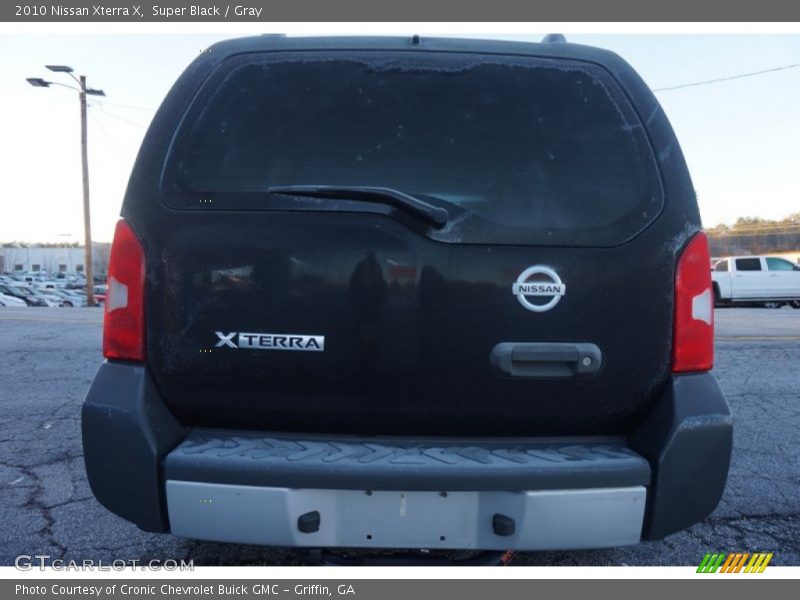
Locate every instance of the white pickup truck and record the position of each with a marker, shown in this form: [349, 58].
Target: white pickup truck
[767, 280]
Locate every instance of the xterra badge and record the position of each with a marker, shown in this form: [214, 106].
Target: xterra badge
[538, 281]
[271, 341]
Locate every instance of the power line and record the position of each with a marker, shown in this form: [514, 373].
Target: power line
[117, 117]
[739, 232]
[761, 236]
[721, 79]
[108, 137]
[131, 106]
[760, 226]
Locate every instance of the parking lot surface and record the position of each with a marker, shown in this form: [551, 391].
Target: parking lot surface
[48, 358]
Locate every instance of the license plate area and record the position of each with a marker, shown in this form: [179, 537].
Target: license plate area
[423, 519]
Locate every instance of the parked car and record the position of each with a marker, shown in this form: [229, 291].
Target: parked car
[48, 295]
[24, 293]
[6, 300]
[49, 285]
[80, 294]
[100, 294]
[399, 313]
[69, 298]
[51, 299]
[768, 280]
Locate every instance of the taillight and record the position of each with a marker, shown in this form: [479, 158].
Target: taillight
[123, 326]
[693, 341]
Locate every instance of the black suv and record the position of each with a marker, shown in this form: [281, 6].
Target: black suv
[409, 293]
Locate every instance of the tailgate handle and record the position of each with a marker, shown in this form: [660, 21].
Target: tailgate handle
[545, 359]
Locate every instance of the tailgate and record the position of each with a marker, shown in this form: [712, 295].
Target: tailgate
[333, 314]
[383, 331]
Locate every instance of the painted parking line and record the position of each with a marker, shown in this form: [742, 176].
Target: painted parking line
[52, 320]
[758, 338]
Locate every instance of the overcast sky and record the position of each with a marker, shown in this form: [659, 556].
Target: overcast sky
[740, 137]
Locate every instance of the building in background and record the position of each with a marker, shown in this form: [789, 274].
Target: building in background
[34, 258]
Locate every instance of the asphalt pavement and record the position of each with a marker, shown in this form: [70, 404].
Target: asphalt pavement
[48, 358]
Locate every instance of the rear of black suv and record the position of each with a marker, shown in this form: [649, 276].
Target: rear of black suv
[376, 292]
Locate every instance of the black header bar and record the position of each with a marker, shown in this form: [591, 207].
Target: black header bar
[149, 11]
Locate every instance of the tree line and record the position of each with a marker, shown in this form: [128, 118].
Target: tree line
[755, 235]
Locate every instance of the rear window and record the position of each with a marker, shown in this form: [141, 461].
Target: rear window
[517, 150]
[748, 264]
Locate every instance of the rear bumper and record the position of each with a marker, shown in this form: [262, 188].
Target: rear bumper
[319, 491]
[320, 518]
[402, 493]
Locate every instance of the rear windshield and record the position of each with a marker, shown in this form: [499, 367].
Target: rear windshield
[748, 264]
[516, 149]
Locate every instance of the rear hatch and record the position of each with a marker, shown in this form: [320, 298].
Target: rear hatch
[354, 312]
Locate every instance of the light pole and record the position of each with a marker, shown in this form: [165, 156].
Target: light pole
[83, 91]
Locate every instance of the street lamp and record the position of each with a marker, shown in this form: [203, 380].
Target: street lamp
[83, 91]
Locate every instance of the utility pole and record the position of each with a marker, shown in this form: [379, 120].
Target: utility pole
[87, 222]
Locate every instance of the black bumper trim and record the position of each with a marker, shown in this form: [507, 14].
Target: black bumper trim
[688, 439]
[276, 460]
[127, 430]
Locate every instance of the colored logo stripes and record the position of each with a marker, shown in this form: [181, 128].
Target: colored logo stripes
[735, 562]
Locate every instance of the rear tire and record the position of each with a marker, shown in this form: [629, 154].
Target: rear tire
[717, 298]
[68, 304]
[773, 304]
[795, 303]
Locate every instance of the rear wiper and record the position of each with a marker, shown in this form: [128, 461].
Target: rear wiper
[382, 195]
